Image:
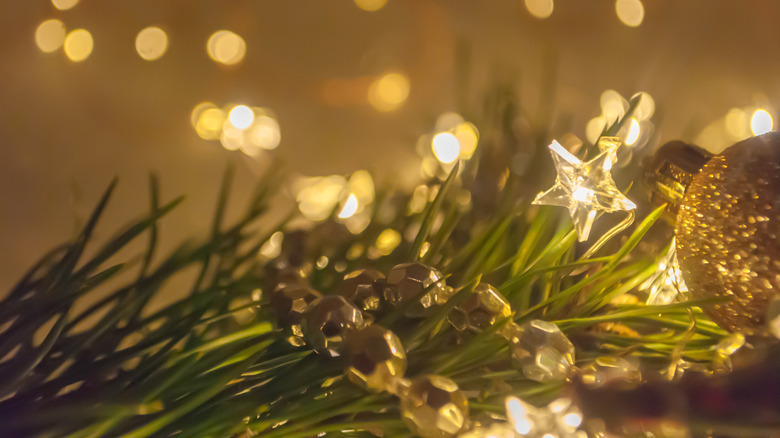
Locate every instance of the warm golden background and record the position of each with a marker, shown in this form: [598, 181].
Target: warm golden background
[69, 127]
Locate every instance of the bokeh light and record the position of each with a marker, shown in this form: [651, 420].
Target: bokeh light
[151, 43]
[445, 147]
[241, 116]
[387, 241]
[210, 122]
[646, 107]
[630, 12]
[50, 35]
[633, 132]
[265, 133]
[370, 5]
[613, 105]
[388, 92]
[318, 196]
[539, 8]
[350, 207]
[226, 47]
[761, 122]
[468, 138]
[78, 45]
[64, 5]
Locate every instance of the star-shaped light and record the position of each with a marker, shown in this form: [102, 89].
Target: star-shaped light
[585, 188]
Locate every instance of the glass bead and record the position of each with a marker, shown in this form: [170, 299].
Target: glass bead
[375, 358]
[609, 369]
[278, 275]
[495, 430]
[434, 407]
[408, 280]
[289, 304]
[542, 351]
[480, 310]
[363, 287]
[326, 320]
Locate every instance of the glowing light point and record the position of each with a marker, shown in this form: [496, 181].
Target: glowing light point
[633, 132]
[446, 147]
[50, 35]
[761, 122]
[370, 5]
[241, 117]
[78, 45]
[630, 12]
[64, 5]
[226, 47]
[350, 207]
[388, 92]
[539, 8]
[151, 43]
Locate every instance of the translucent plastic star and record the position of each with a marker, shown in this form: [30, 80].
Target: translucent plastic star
[666, 283]
[585, 188]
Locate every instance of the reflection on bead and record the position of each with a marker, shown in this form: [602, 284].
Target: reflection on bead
[608, 369]
[408, 281]
[375, 358]
[542, 351]
[434, 407]
[289, 304]
[326, 321]
[363, 287]
[480, 310]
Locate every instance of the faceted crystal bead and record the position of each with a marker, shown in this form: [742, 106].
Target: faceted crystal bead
[289, 304]
[434, 407]
[363, 287]
[408, 280]
[375, 358]
[542, 351]
[480, 310]
[495, 430]
[326, 321]
[278, 275]
[609, 369]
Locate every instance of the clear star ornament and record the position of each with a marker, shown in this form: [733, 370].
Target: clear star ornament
[585, 188]
[666, 284]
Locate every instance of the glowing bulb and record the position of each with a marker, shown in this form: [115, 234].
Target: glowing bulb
[633, 132]
[225, 47]
[387, 241]
[445, 147]
[468, 137]
[370, 5]
[539, 8]
[64, 5]
[241, 117]
[388, 92]
[49, 35]
[518, 415]
[573, 420]
[151, 43]
[582, 194]
[350, 207]
[265, 133]
[761, 122]
[78, 45]
[630, 12]
[209, 124]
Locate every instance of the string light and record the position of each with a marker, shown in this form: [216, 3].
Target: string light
[630, 12]
[78, 45]
[64, 5]
[226, 47]
[241, 117]
[388, 92]
[761, 122]
[633, 132]
[540, 8]
[445, 147]
[50, 35]
[151, 43]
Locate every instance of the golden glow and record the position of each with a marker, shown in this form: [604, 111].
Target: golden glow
[630, 12]
[572, 420]
[318, 196]
[761, 122]
[539, 8]
[737, 124]
[273, 246]
[582, 194]
[49, 35]
[633, 132]
[518, 415]
[241, 116]
[646, 106]
[388, 241]
[198, 110]
[350, 207]
[388, 92]
[445, 147]
[613, 106]
[468, 137]
[64, 5]
[151, 43]
[370, 5]
[225, 47]
[78, 45]
[265, 133]
[594, 128]
[232, 138]
[209, 124]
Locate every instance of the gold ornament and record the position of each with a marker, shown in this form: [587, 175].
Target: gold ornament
[728, 233]
[326, 321]
[480, 310]
[375, 358]
[408, 281]
[434, 407]
[363, 287]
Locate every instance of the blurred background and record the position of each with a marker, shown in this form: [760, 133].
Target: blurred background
[92, 89]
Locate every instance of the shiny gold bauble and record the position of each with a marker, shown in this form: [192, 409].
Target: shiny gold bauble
[727, 233]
